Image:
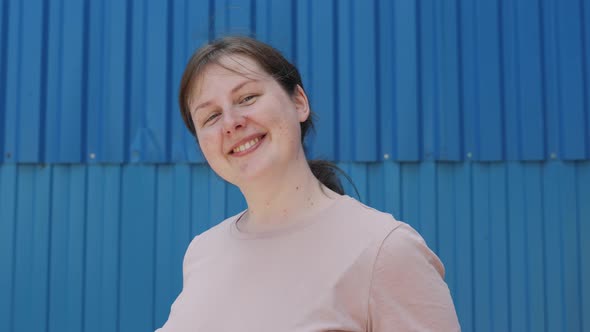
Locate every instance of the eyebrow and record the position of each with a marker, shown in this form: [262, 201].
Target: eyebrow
[236, 88]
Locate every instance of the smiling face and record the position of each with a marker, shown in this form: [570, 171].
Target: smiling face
[247, 125]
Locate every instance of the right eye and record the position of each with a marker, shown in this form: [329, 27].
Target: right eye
[211, 117]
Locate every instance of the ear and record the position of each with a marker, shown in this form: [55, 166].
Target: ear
[301, 104]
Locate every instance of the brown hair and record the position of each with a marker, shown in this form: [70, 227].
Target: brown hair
[274, 64]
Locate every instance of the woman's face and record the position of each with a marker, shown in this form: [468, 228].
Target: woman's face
[248, 127]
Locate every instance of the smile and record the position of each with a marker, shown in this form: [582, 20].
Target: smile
[247, 146]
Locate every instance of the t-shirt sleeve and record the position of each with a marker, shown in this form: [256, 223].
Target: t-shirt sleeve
[169, 324]
[408, 291]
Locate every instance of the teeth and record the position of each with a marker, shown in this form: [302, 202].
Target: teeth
[246, 145]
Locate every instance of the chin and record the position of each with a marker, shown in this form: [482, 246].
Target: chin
[250, 175]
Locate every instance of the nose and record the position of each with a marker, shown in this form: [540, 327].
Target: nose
[232, 121]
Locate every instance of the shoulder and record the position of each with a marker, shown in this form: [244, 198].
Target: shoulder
[405, 251]
[399, 249]
[363, 220]
[213, 238]
[356, 229]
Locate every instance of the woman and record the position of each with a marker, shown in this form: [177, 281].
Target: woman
[303, 256]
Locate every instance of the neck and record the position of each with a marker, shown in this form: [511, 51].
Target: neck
[284, 197]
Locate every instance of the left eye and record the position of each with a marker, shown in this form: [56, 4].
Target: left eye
[248, 100]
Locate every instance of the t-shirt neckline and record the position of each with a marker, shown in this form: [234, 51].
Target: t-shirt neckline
[295, 225]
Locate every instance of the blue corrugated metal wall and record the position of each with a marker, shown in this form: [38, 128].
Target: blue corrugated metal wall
[99, 247]
[468, 119]
[95, 81]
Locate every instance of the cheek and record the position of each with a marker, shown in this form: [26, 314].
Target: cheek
[209, 143]
[283, 116]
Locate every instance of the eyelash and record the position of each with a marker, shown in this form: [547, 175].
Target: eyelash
[247, 99]
[212, 117]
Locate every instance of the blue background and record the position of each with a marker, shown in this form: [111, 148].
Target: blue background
[467, 119]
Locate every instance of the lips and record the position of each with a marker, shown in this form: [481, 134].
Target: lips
[249, 143]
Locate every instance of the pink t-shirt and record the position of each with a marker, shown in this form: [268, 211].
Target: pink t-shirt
[348, 268]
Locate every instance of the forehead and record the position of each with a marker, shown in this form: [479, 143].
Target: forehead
[227, 69]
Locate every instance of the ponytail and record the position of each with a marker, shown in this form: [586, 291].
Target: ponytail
[327, 173]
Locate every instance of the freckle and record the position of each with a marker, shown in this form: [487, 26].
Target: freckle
[297, 188]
